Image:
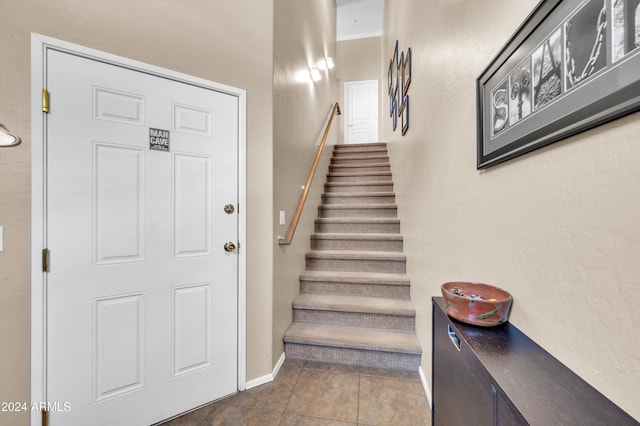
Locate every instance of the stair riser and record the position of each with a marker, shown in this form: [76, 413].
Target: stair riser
[363, 169]
[340, 153]
[355, 319]
[355, 178]
[356, 244]
[355, 212]
[359, 187]
[370, 145]
[356, 289]
[364, 358]
[371, 228]
[356, 265]
[359, 160]
[333, 198]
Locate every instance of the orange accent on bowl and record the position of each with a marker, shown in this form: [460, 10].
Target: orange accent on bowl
[476, 303]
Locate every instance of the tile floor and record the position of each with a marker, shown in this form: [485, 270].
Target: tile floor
[315, 394]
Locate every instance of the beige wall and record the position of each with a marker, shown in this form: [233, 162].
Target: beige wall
[304, 33]
[558, 227]
[358, 60]
[227, 42]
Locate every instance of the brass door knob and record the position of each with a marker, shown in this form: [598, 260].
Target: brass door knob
[229, 246]
[229, 209]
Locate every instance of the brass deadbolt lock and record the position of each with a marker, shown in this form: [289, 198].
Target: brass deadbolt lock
[228, 209]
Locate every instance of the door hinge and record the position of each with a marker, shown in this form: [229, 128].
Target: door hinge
[45, 100]
[45, 260]
[45, 417]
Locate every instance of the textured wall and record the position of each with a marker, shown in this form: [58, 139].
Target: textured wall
[227, 42]
[557, 227]
[304, 33]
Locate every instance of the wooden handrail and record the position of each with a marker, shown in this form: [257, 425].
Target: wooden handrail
[288, 238]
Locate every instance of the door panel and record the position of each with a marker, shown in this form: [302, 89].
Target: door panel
[191, 328]
[119, 349]
[191, 205]
[118, 203]
[141, 304]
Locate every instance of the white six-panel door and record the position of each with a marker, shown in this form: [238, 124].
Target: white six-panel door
[361, 110]
[142, 299]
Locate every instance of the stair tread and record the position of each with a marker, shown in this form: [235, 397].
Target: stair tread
[359, 304]
[357, 220]
[356, 277]
[350, 147]
[362, 173]
[359, 206]
[355, 236]
[371, 151]
[367, 183]
[360, 194]
[359, 166]
[364, 155]
[356, 254]
[359, 145]
[353, 337]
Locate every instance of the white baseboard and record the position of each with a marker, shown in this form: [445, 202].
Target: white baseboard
[268, 377]
[276, 369]
[425, 385]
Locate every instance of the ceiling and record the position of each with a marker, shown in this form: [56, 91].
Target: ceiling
[359, 19]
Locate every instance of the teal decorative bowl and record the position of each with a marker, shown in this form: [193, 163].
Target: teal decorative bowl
[476, 303]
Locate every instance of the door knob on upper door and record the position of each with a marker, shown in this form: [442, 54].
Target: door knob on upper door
[229, 246]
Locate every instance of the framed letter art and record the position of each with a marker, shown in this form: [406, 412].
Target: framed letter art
[571, 66]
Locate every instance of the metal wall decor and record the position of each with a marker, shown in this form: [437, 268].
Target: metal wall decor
[572, 65]
[399, 79]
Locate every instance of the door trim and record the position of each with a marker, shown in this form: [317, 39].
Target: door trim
[39, 46]
[347, 105]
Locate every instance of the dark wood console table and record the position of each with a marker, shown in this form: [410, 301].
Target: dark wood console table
[498, 376]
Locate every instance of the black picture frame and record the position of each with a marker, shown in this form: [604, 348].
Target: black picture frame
[569, 67]
[390, 76]
[406, 72]
[399, 79]
[404, 115]
[394, 113]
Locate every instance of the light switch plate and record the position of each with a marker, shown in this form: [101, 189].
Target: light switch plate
[282, 217]
[1, 239]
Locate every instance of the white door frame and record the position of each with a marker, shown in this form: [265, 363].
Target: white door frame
[39, 46]
[347, 105]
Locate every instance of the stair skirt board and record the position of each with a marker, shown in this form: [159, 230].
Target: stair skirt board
[354, 304]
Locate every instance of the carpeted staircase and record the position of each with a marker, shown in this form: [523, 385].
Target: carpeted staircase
[354, 306]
